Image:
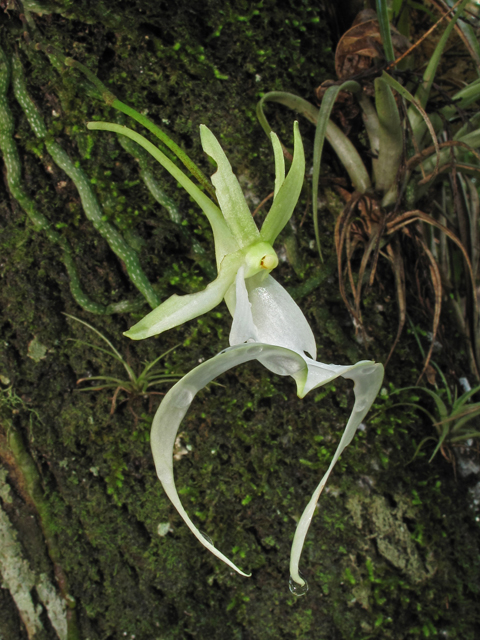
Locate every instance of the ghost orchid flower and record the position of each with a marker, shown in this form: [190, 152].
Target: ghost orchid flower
[268, 325]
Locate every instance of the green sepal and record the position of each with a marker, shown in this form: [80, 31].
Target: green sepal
[229, 193]
[179, 309]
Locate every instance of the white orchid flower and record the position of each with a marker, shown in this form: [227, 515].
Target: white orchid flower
[268, 326]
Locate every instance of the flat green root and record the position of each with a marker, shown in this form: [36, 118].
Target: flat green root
[89, 200]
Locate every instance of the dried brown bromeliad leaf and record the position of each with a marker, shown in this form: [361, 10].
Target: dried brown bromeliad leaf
[360, 48]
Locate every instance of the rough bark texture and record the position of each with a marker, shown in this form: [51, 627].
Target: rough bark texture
[90, 546]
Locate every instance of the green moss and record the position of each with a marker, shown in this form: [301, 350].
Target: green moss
[252, 452]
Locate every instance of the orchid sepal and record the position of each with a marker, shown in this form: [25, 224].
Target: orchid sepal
[265, 312]
[229, 193]
[279, 163]
[179, 309]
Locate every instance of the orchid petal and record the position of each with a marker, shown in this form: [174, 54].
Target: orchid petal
[175, 405]
[286, 199]
[265, 312]
[368, 378]
[229, 193]
[179, 309]
[320, 373]
[243, 328]
[279, 163]
[277, 317]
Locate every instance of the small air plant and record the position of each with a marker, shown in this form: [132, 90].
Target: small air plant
[268, 326]
[455, 418]
[453, 414]
[134, 386]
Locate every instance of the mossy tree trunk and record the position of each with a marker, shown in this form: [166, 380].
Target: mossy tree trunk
[90, 546]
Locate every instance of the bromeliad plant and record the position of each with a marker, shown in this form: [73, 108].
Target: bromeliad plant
[454, 417]
[409, 150]
[455, 420]
[268, 326]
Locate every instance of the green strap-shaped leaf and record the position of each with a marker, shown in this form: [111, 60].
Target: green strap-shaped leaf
[463, 399]
[290, 100]
[443, 435]
[441, 406]
[469, 37]
[370, 120]
[468, 142]
[346, 152]
[465, 436]
[462, 99]
[384, 23]
[390, 137]
[391, 82]
[423, 91]
[328, 102]
[460, 421]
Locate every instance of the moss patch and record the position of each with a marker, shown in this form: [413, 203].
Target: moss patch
[393, 550]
